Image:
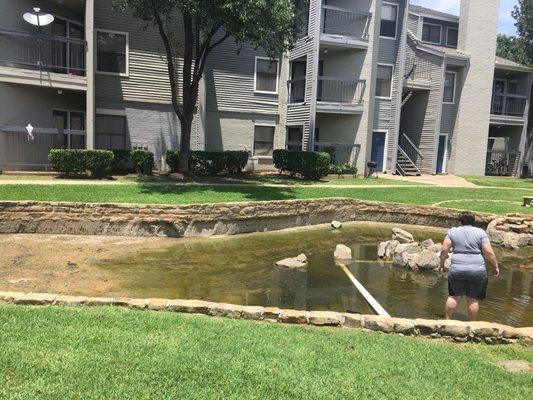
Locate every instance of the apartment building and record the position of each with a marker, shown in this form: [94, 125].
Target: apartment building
[412, 89]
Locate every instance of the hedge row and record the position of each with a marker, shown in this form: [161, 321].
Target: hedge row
[99, 163]
[210, 162]
[309, 164]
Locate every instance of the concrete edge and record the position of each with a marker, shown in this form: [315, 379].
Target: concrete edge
[458, 331]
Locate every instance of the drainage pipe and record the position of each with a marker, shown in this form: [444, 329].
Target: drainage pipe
[366, 294]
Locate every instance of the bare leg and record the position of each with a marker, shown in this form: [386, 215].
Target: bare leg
[451, 305]
[473, 308]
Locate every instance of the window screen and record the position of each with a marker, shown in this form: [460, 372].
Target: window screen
[384, 81]
[452, 37]
[266, 75]
[389, 15]
[111, 52]
[111, 132]
[449, 87]
[431, 33]
[264, 140]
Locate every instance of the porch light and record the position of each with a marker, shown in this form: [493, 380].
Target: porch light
[38, 18]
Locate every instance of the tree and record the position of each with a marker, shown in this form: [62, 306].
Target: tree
[520, 48]
[523, 14]
[192, 29]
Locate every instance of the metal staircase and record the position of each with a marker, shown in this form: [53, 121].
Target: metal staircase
[409, 158]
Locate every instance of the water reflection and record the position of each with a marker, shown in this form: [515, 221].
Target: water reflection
[242, 270]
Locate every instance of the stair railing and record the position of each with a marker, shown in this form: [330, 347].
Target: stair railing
[411, 152]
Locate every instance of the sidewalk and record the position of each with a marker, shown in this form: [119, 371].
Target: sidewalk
[437, 180]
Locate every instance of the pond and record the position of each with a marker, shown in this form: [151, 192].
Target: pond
[241, 270]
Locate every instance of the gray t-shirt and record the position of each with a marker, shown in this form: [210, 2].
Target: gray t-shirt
[467, 242]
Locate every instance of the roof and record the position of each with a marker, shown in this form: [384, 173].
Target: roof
[508, 64]
[449, 51]
[432, 13]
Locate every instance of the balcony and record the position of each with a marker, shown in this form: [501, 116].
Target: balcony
[340, 95]
[508, 109]
[417, 75]
[42, 60]
[344, 28]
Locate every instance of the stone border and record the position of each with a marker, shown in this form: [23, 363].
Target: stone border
[459, 331]
[196, 220]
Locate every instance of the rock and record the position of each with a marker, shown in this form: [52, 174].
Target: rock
[402, 236]
[404, 326]
[296, 262]
[391, 248]
[157, 304]
[437, 248]
[378, 323]
[324, 318]
[342, 252]
[252, 312]
[408, 248]
[428, 244]
[453, 328]
[223, 310]
[294, 317]
[485, 329]
[352, 320]
[512, 231]
[36, 299]
[382, 249]
[426, 260]
[425, 326]
[336, 224]
[400, 259]
[271, 313]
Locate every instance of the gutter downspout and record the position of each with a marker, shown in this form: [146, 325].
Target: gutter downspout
[523, 138]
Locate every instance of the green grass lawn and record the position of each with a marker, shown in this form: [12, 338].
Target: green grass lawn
[501, 181]
[112, 353]
[167, 194]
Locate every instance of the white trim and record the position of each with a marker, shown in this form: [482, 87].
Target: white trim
[454, 86]
[391, 79]
[255, 75]
[445, 156]
[110, 111]
[267, 124]
[422, 33]
[127, 73]
[448, 35]
[396, 26]
[385, 146]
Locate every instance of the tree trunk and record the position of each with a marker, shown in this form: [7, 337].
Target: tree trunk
[185, 142]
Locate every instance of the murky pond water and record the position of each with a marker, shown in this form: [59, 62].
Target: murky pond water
[241, 269]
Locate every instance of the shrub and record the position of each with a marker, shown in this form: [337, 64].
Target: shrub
[309, 164]
[143, 161]
[336, 169]
[281, 157]
[235, 161]
[68, 161]
[173, 160]
[210, 162]
[99, 162]
[122, 163]
[343, 168]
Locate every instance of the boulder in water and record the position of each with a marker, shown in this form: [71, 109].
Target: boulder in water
[342, 252]
[402, 236]
[295, 262]
[336, 224]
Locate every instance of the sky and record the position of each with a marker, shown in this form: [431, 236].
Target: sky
[452, 7]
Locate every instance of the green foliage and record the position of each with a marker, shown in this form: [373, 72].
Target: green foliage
[98, 162]
[68, 162]
[143, 161]
[512, 48]
[210, 162]
[122, 164]
[308, 164]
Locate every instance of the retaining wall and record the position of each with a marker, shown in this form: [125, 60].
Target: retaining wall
[210, 219]
[459, 331]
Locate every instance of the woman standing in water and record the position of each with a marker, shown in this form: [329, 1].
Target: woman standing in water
[468, 273]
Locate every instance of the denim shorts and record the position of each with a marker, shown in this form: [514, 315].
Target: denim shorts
[469, 283]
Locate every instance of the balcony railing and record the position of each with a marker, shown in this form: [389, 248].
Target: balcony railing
[42, 52]
[508, 105]
[338, 21]
[340, 90]
[415, 70]
[502, 163]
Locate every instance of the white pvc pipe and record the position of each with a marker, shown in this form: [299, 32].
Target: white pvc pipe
[366, 294]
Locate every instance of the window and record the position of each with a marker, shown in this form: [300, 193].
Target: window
[389, 17]
[451, 37]
[266, 75]
[431, 33]
[264, 140]
[294, 138]
[449, 87]
[110, 132]
[112, 52]
[384, 81]
[69, 121]
[297, 82]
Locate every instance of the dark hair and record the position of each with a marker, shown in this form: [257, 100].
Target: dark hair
[467, 218]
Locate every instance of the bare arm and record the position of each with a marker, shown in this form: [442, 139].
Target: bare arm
[446, 247]
[490, 257]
